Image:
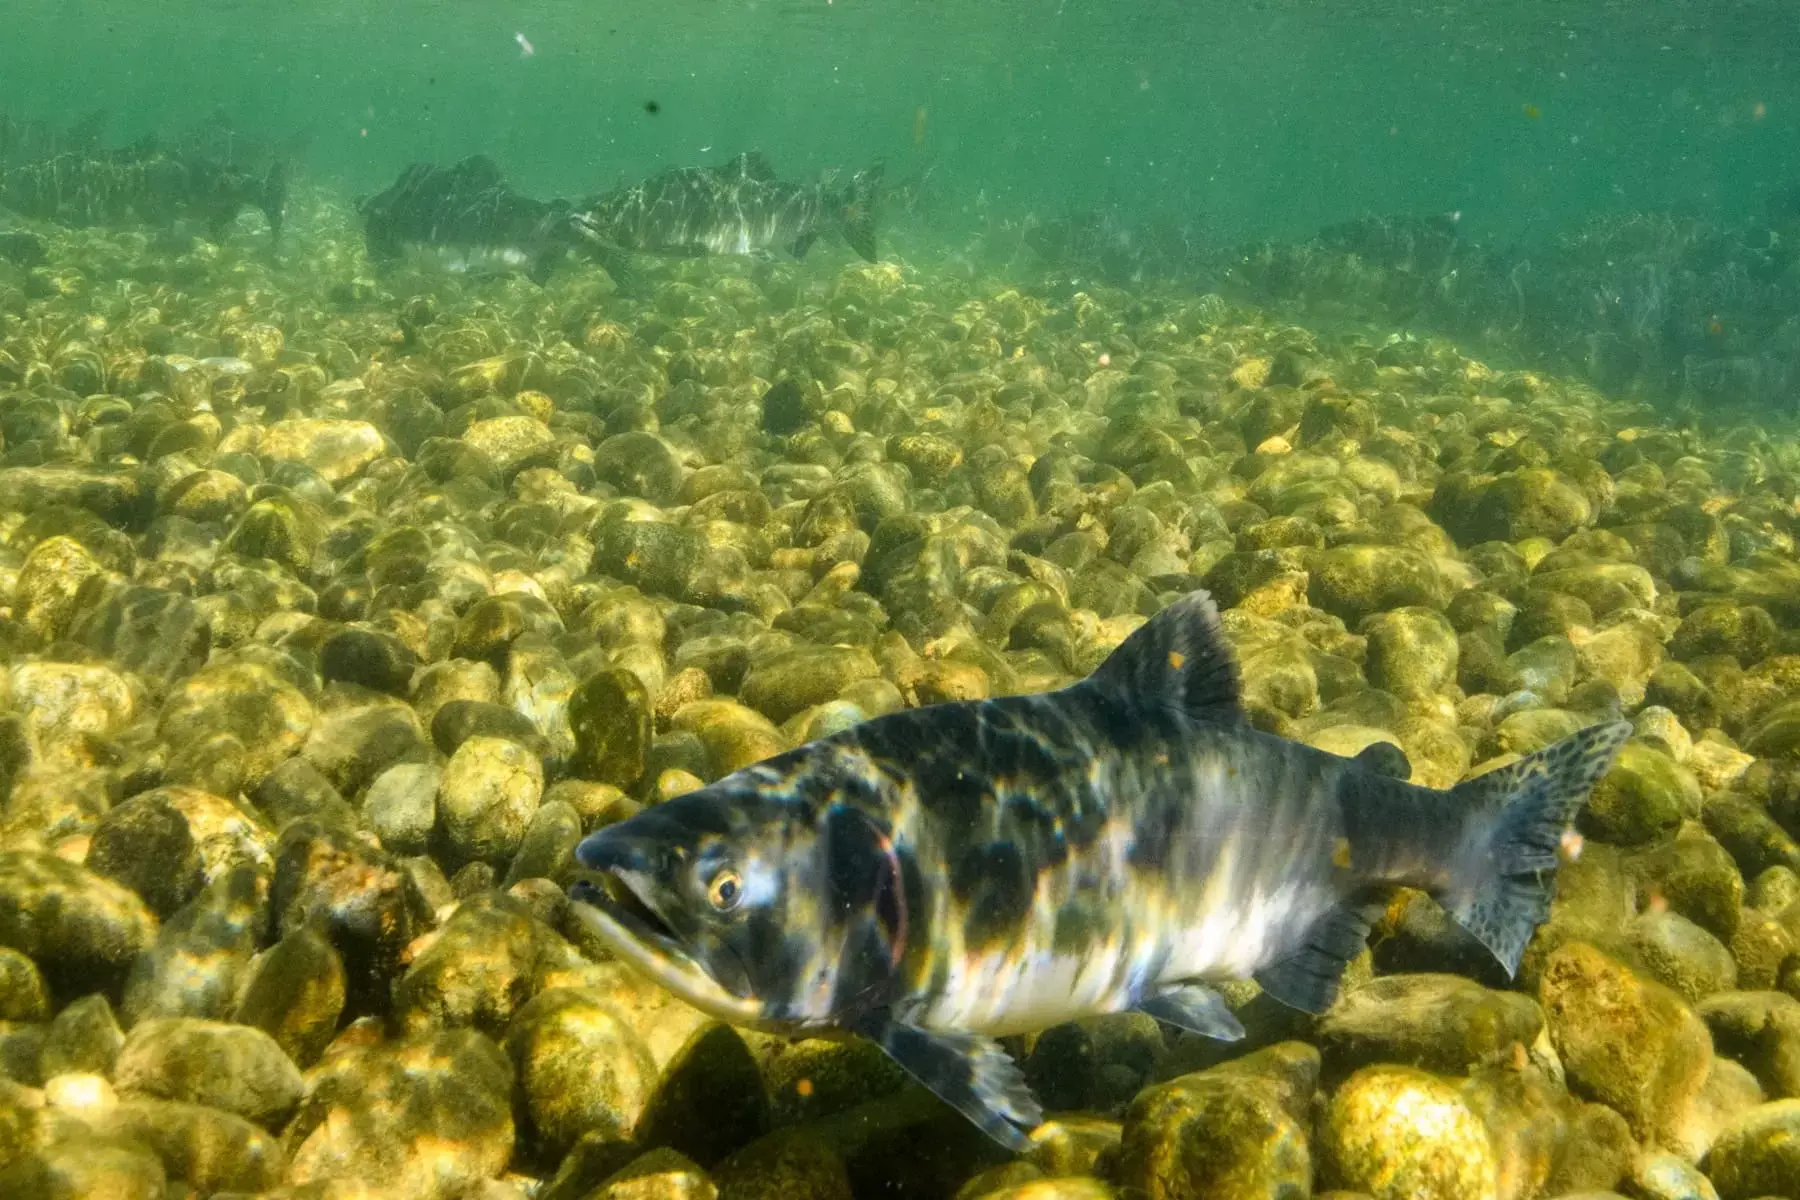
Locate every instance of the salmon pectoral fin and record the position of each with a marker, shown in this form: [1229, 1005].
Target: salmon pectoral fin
[971, 1074]
[1308, 978]
[1197, 1009]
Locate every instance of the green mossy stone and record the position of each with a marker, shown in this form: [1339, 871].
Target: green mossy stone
[1625, 1041]
[610, 715]
[1437, 1022]
[1357, 580]
[486, 798]
[710, 1101]
[1238, 1131]
[1643, 798]
[581, 1068]
[1745, 632]
[1758, 1154]
[295, 993]
[1401, 1132]
[798, 678]
[236, 1068]
[81, 929]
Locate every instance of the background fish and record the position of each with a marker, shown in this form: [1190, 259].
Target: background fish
[464, 217]
[936, 878]
[738, 208]
[211, 175]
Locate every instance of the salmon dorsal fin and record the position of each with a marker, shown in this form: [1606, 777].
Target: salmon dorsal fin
[1178, 660]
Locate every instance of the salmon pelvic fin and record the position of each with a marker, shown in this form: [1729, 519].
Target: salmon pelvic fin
[1505, 867]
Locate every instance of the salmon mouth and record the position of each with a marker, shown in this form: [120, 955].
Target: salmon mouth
[612, 904]
[622, 901]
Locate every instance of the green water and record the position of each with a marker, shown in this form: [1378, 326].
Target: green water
[1243, 119]
[1453, 348]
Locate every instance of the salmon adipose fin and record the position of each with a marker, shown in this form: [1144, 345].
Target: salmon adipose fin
[1507, 863]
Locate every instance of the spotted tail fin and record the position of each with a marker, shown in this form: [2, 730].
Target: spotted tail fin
[1506, 862]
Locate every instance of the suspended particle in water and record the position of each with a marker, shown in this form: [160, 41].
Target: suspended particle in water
[920, 116]
[804, 1087]
[653, 107]
[526, 49]
[1758, 111]
[1534, 112]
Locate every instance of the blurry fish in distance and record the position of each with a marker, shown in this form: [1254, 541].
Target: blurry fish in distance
[937, 878]
[737, 208]
[210, 174]
[464, 218]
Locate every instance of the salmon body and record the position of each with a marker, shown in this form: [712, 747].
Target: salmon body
[939, 877]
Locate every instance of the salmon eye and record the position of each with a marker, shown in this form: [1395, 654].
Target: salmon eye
[725, 890]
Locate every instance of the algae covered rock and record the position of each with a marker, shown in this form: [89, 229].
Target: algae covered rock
[1680, 955]
[510, 442]
[427, 1117]
[790, 1164]
[1441, 1023]
[400, 807]
[661, 1174]
[84, 1038]
[335, 449]
[212, 1151]
[295, 993]
[796, 679]
[235, 1068]
[1238, 1132]
[581, 1068]
[1357, 580]
[1530, 502]
[22, 993]
[265, 712]
[81, 929]
[1758, 1154]
[1396, 1132]
[146, 844]
[1626, 1042]
[610, 716]
[373, 659]
[489, 791]
[481, 967]
[1412, 652]
[1643, 797]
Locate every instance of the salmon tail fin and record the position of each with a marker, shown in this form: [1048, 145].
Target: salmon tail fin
[1505, 866]
[857, 216]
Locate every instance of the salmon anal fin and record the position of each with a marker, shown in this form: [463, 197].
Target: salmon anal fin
[1308, 978]
[1197, 1009]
